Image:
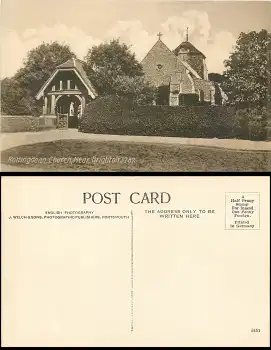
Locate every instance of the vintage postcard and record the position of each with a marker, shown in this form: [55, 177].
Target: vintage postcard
[135, 85]
[133, 261]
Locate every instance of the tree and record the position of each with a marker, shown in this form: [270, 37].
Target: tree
[40, 64]
[18, 93]
[11, 94]
[246, 70]
[217, 78]
[135, 88]
[107, 62]
[15, 101]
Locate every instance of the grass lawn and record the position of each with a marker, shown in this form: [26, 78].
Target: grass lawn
[142, 157]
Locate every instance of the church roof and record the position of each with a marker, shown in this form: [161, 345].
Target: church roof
[71, 63]
[189, 47]
[162, 45]
[76, 65]
[159, 44]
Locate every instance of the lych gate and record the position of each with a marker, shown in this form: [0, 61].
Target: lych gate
[66, 93]
[71, 106]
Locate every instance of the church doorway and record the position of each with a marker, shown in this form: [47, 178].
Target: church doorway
[69, 105]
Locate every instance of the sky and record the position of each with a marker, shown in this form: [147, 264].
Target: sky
[214, 26]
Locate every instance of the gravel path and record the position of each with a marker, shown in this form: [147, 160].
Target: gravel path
[9, 140]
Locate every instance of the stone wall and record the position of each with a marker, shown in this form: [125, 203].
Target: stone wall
[10, 124]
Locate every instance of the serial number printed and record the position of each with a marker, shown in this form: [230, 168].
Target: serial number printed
[255, 330]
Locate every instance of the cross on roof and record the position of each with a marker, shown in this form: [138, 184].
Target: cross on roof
[186, 33]
[159, 35]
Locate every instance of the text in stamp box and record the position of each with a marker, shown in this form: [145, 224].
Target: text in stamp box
[242, 211]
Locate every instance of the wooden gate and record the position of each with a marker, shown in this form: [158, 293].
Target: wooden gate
[62, 121]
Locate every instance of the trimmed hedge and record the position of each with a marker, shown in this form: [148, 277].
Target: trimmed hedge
[106, 115]
[117, 115]
[120, 116]
[26, 123]
[182, 121]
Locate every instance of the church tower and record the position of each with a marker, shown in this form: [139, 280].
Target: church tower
[196, 59]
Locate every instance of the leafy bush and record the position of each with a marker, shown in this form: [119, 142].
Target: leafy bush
[16, 101]
[250, 123]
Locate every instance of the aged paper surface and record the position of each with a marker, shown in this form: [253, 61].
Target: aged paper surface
[191, 271]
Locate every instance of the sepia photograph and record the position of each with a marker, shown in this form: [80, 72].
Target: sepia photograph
[135, 86]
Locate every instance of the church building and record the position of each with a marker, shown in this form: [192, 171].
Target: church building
[181, 75]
